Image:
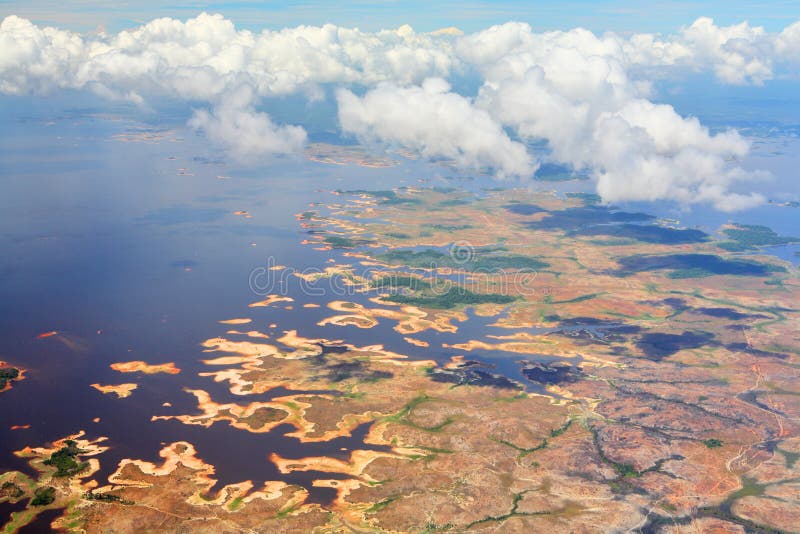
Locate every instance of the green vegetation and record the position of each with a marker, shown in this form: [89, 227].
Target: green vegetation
[8, 374]
[519, 396]
[436, 450]
[339, 242]
[289, 510]
[426, 258]
[712, 443]
[626, 470]
[750, 488]
[590, 296]
[403, 413]
[563, 428]
[514, 512]
[481, 260]
[64, 460]
[400, 200]
[695, 272]
[401, 418]
[511, 261]
[623, 484]
[395, 281]
[454, 296]
[105, 497]
[10, 491]
[523, 451]
[431, 527]
[380, 505]
[43, 496]
[397, 235]
[748, 237]
[669, 507]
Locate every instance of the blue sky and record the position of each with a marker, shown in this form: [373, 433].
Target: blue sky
[469, 15]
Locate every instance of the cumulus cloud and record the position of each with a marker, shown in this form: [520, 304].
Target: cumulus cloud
[787, 44]
[586, 95]
[205, 56]
[572, 90]
[246, 133]
[435, 122]
[207, 59]
[36, 59]
[739, 53]
[736, 54]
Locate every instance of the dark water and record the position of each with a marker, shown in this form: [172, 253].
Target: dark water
[572, 219]
[701, 263]
[553, 172]
[547, 374]
[128, 257]
[42, 522]
[131, 251]
[729, 313]
[647, 233]
[657, 345]
[7, 508]
[593, 220]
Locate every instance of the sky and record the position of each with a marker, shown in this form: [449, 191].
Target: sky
[595, 15]
[599, 93]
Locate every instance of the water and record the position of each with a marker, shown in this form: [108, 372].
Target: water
[129, 258]
[131, 250]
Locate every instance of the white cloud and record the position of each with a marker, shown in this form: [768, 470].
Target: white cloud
[434, 122]
[736, 54]
[586, 95]
[739, 53]
[787, 44]
[572, 89]
[206, 56]
[235, 125]
[35, 59]
[207, 59]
